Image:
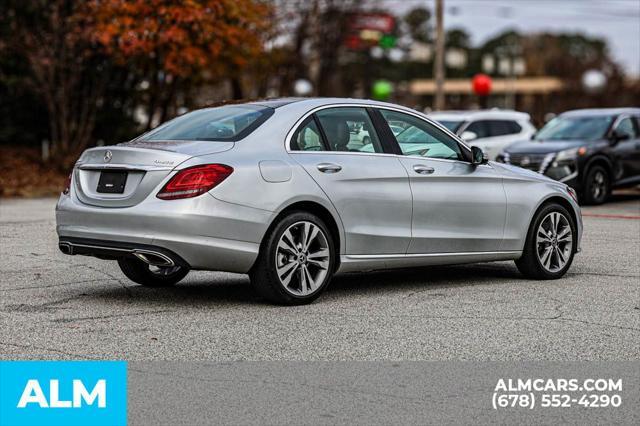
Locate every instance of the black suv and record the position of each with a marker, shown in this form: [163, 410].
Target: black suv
[592, 150]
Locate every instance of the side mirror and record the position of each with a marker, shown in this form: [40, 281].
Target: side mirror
[477, 156]
[617, 136]
[468, 135]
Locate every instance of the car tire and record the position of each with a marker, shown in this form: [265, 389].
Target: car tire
[142, 273]
[597, 186]
[291, 268]
[547, 245]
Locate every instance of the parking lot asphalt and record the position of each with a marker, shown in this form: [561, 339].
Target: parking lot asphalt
[54, 306]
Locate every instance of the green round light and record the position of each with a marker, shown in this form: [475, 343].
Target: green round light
[382, 89]
[387, 41]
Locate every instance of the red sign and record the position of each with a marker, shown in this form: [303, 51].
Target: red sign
[366, 29]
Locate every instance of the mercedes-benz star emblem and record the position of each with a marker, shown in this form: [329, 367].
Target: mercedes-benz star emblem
[525, 161]
[108, 156]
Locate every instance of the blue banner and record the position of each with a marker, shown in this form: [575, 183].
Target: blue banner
[63, 393]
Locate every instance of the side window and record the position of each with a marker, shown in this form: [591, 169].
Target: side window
[349, 129]
[480, 128]
[625, 127]
[421, 138]
[307, 137]
[502, 127]
[513, 127]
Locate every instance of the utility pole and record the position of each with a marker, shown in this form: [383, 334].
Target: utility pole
[438, 65]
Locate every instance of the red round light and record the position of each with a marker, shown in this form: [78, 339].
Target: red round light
[481, 84]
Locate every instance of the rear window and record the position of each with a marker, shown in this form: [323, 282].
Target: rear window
[225, 123]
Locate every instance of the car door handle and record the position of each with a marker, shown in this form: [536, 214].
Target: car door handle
[423, 170]
[329, 168]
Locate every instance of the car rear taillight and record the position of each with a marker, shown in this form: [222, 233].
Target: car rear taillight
[67, 185]
[194, 181]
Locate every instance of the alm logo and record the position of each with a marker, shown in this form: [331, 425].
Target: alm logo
[33, 394]
[63, 393]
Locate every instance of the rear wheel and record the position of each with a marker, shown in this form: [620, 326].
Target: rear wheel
[550, 244]
[296, 261]
[597, 186]
[151, 276]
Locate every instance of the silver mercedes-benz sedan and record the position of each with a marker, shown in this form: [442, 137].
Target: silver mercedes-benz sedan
[289, 192]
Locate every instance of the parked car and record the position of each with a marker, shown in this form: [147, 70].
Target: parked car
[357, 135]
[286, 200]
[593, 150]
[491, 130]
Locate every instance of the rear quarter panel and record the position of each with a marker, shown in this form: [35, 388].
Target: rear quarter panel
[279, 183]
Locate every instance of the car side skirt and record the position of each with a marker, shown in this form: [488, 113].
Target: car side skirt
[358, 263]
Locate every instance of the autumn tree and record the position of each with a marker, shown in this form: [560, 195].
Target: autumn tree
[77, 51]
[174, 43]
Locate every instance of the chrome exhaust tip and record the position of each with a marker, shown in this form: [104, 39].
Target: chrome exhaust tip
[65, 247]
[153, 258]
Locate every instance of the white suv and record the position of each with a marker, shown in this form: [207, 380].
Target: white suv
[490, 130]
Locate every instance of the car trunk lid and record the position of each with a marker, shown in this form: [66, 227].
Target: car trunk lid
[124, 175]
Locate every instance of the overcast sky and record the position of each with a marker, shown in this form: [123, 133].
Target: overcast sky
[618, 21]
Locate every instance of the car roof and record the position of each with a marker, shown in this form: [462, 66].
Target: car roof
[592, 112]
[311, 103]
[495, 114]
[275, 102]
[319, 101]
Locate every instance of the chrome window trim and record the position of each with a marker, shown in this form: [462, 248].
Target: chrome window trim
[420, 116]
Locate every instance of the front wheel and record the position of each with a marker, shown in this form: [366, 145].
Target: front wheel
[296, 260]
[549, 249]
[151, 276]
[597, 186]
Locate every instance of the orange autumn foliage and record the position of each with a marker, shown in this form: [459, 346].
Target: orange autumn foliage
[180, 36]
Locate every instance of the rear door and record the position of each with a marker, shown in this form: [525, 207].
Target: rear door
[457, 207]
[368, 187]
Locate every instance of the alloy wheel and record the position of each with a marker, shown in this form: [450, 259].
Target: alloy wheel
[599, 185]
[554, 241]
[302, 258]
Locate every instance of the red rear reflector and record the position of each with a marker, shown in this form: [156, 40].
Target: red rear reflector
[194, 181]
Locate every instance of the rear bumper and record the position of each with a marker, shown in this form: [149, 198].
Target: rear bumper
[115, 250]
[202, 232]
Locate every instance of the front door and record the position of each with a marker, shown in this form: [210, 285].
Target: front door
[457, 207]
[627, 151]
[369, 189]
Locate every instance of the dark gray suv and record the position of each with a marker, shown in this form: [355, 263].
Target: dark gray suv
[592, 150]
